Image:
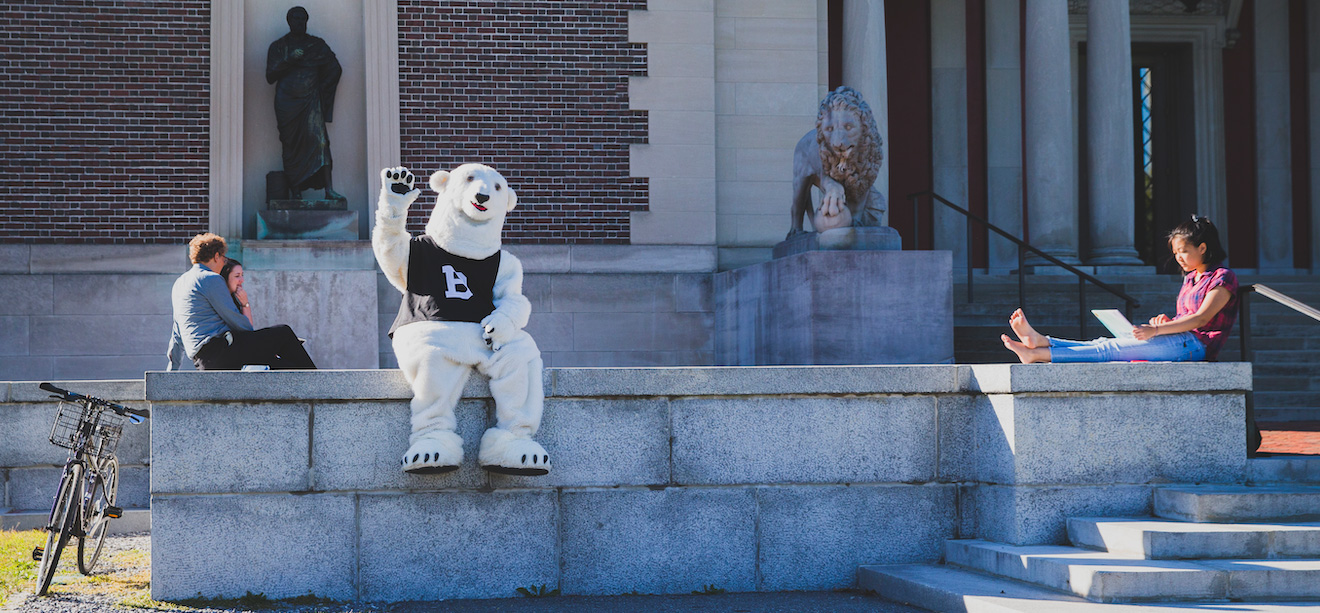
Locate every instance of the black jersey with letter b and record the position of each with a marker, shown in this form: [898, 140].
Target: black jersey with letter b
[446, 287]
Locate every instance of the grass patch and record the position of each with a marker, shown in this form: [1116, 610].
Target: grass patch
[17, 568]
[709, 590]
[538, 591]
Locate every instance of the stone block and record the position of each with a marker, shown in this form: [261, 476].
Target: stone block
[27, 368]
[956, 420]
[665, 59]
[692, 294]
[552, 331]
[448, 545]
[26, 440]
[777, 33]
[609, 442]
[326, 307]
[693, 27]
[539, 259]
[671, 93]
[358, 445]
[26, 294]
[113, 294]
[279, 545]
[804, 440]
[1238, 503]
[15, 258]
[787, 101]
[733, 381]
[668, 541]
[101, 335]
[387, 297]
[880, 238]
[809, 309]
[613, 331]
[642, 258]
[270, 255]
[536, 287]
[1037, 515]
[1112, 438]
[229, 448]
[764, 65]
[33, 488]
[611, 293]
[814, 538]
[1111, 377]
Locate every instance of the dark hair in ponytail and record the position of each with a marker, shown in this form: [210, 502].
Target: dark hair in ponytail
[1200, 231]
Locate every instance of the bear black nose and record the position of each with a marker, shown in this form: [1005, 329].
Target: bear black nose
[482, 198]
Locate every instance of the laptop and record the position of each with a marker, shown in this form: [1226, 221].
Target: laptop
[1114, 320]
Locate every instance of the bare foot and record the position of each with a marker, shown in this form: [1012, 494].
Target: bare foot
[1027, 334]
[1027, 355]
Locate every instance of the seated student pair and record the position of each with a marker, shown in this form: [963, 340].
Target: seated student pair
[1207, 306]
[213, 323]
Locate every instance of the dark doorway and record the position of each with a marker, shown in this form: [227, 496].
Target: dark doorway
[1164, 129]
[1164, 142]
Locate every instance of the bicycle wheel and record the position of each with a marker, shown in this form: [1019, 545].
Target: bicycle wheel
[105, 489]
[63, 520]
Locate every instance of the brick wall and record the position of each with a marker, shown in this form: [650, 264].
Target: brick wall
[539, 90]
[103, 120]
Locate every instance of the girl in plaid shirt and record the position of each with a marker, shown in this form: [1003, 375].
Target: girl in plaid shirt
[1207, 308]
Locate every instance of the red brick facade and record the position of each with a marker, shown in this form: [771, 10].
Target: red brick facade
[538, 90]
[103, 120]
[104, 123]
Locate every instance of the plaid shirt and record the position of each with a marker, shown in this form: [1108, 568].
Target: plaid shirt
[1215, 332]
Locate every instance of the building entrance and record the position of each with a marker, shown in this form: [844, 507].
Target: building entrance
[1165, 141]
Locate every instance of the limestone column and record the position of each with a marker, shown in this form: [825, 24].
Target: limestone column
[1003, 112]
[864, 70]
[1109, 134]
[948, 51]
[1273, 138]
[1050, 154]
[226, 185]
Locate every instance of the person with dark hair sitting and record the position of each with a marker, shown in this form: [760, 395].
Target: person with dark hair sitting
[1207, 308]
[211, 330]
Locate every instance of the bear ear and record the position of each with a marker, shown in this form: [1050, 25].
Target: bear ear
[439, 180]
[513, 198]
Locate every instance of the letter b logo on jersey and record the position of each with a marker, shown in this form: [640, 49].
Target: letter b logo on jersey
[456, 280]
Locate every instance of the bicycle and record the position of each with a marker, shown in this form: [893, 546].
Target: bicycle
[89, 428]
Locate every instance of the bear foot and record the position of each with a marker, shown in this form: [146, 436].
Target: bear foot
[434, 453]
[507, 453]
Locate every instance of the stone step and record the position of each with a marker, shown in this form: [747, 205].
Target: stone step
[956, 590]
[1161, 539]
[1113, 577]
[1095, 575]
[1239, 503]
[1286, 356]
[1285, 369]
[949, 589]
[1266, 413]
[1271, 398]
[1284, 469]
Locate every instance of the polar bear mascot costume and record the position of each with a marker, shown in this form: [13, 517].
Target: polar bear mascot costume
[462, 307]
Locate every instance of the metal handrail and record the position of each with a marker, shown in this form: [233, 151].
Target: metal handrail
[1083, 278]
[1272, 294]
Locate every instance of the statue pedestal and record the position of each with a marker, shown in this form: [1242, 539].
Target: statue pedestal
[299, 224]
[870, 238]
[837, 307]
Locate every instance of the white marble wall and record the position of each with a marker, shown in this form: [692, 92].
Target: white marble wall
[766, 96]
[678, 95]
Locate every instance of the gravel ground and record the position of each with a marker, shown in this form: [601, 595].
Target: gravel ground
[125, 565]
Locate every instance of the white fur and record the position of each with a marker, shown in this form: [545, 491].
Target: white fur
[437, 357]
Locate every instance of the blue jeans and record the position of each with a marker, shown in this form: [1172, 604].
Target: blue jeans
[1181, 347]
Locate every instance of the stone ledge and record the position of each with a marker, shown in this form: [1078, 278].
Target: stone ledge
[1109, 377]
[389, 384]
[125, 391]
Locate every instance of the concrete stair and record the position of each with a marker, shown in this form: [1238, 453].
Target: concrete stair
[1256, 548]
[1286, 344]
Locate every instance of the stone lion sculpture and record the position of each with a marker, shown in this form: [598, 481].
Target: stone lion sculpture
[842, 158]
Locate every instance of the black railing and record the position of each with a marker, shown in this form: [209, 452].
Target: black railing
[1244, 315]
[1129, 303]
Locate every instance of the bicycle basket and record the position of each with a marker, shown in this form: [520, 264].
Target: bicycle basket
[71, 418]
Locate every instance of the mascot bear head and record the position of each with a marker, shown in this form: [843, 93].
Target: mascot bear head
[469, 211]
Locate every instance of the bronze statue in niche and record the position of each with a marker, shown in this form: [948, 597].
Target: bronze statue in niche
[305, 73]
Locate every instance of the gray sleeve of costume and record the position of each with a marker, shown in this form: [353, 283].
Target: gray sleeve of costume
[217, 293]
